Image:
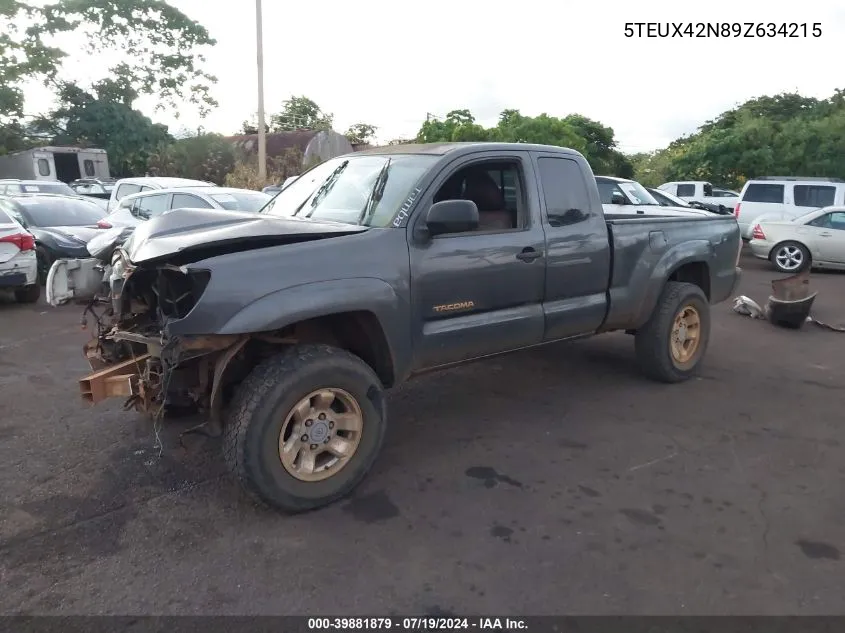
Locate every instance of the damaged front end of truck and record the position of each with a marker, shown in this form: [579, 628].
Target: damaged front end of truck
[130, 353]
[134, 293]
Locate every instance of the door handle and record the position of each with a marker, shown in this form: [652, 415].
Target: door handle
[529, 254]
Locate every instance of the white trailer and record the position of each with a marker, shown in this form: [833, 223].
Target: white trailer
[55, 163]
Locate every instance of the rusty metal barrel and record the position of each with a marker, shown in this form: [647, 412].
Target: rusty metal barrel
[791, 300]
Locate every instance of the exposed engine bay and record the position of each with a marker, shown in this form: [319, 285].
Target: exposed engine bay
[127, 308]
[141, 280]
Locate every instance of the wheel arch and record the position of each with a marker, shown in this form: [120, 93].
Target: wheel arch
[780, 243]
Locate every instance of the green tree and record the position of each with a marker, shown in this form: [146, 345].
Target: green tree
[161, 50]
[578, 132]
[360, 133]
[102, 120]
[459, 125]
[780, 134]
[300, 113]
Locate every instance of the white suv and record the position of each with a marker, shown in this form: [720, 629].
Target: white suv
[775, 198]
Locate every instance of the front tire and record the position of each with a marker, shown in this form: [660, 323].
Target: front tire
[28, 294]
[305, 427]
[671, 344]
[790, 257]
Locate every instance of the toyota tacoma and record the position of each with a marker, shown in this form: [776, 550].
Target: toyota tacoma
[285, 327]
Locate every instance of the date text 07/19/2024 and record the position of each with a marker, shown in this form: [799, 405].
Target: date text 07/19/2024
[723, 29]
[421, 623]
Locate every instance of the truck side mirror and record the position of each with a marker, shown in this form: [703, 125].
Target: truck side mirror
[618, 198]
[451, 216]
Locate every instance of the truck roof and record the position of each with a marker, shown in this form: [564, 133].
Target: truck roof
[441, 149]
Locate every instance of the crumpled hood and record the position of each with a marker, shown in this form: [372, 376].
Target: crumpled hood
[183, 230]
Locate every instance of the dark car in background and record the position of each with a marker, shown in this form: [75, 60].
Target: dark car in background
[61, 225]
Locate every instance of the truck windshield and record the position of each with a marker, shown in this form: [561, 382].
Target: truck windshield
[366, 190]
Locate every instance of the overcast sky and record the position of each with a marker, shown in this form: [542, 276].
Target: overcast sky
[388, 63]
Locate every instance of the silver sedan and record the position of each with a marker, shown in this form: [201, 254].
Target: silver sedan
[815, 239]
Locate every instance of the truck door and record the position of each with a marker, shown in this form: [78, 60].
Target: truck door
[479, 293]
[43, 167]
[577, 248]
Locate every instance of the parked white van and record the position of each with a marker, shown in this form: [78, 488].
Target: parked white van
[776, 198]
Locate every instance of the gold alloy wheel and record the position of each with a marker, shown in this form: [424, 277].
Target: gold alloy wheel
[686, 335]
[320, 434]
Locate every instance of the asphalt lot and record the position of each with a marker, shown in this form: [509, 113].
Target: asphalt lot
[546, 482]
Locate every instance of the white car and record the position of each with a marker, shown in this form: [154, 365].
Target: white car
[784, 198]
[814, 239]
[127, 186]
[701, 191]
[620, 195]
[137, 208]
[18, 264]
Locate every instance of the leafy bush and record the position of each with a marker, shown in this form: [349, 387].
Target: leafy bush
[245, 172]
[204, 157]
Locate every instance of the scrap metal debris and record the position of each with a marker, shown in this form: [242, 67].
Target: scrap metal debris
[748, 307]
[788, 306]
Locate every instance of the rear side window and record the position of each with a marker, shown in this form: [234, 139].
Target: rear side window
[127, 189]
[814, 195]
[835, 220]
[187, 201]
[763, 192]
[685, 191]
[43, 167]
[150, 206]
[565, 192]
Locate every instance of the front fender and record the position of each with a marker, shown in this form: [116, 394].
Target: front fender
[305, 301]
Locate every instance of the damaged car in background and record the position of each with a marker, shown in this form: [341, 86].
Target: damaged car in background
[285, 327]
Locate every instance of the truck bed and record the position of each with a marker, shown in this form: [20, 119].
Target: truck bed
[671, 241]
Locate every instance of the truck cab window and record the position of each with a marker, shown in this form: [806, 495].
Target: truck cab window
[495, 188]
[564, 191]
[686, 191]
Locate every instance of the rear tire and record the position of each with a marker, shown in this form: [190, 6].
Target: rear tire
[268, 414]
[790, 257]
[682, 312]
[28, 294]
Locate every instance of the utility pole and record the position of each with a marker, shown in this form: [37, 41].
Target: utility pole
[262, 138]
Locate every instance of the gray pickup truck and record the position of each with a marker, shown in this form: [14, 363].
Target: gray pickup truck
[284, 328]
